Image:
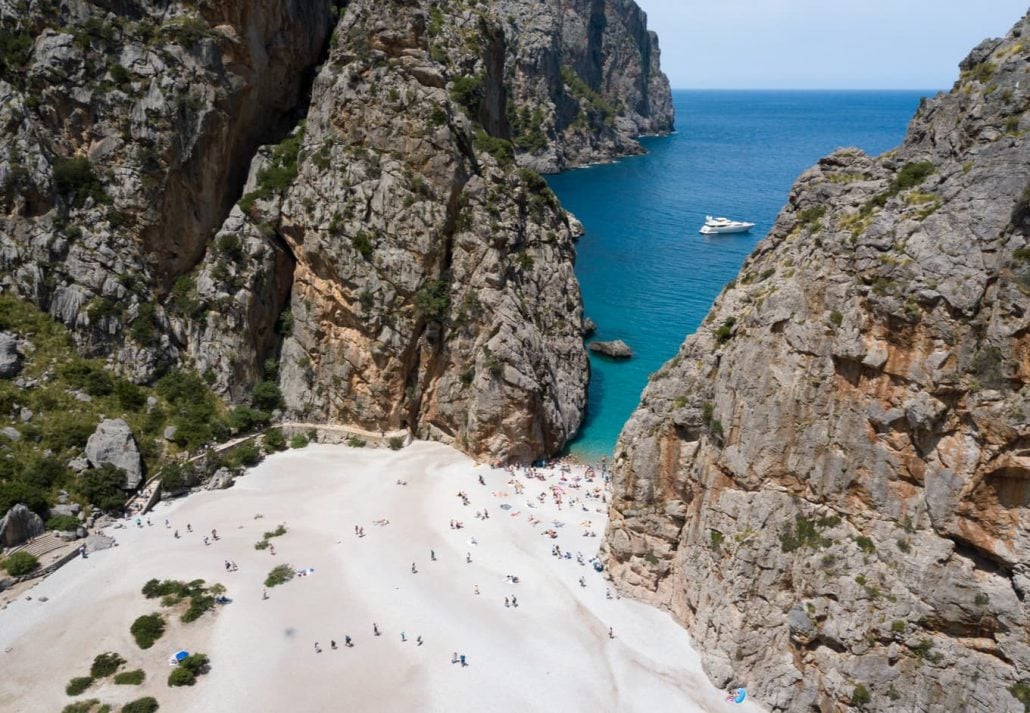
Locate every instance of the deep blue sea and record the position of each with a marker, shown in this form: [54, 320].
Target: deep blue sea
[648, 277]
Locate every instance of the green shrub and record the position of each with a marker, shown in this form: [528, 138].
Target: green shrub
[836, 318]
[277, 532]
[717, 539]
[299, 441]
[243, 419]
[725, 330]
[433, 300]
[130, 397]
[266, 396]
[1021, 692]
[246, 454]
[911, 175]
[78, 685]
[279, 575]
[363, 244]
[15, 50]
[865, 544]
[102, 487]
[181, 677]
[64, 523]
[20, 563]
[147, 629]
[355, 442]
[501, 149]
[396, 443]
[85, 706]
[899, 626]
[810, 216]
[75, 180]
[274, 440]
[261, 545]
[805, 533]
[199, 603]
[105, 664]
[468, 92]
[141, 705]
[860, 696]
[195, 663]
[130, 678]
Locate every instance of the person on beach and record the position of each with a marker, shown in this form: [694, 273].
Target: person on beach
[264, 594]
[582, 582]
[214, 534]
[506, 604]
[419, 640]
[515, 602]
[228, 566]
[318, 649]
[189, 528]
[205, 540]
[432, 555]
[375, 628]
[175, 534]
[167, 524]
[611, 633]
[413, 570]
[468, 558]
[462, 659]
[481, 481]
[477, 590]
[271, 549]
[403, 637]
[347, 642]
[454, 657]
[332, 644]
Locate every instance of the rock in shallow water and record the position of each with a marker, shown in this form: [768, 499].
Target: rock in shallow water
[616, 349]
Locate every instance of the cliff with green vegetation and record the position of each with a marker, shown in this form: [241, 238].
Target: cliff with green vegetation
[829, 485]
[298, 209]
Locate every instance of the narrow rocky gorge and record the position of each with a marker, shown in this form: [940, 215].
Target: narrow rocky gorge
[847, 525]
[395, 260]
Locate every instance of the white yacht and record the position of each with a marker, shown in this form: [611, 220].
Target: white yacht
[724, 225]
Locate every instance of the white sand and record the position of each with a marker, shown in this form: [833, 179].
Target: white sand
[552, 653]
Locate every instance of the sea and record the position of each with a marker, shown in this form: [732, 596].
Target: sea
[647, 276]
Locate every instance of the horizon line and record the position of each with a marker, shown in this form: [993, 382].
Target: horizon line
[807, 89]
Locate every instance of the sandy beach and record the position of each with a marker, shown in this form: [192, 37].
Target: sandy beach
[550, 653]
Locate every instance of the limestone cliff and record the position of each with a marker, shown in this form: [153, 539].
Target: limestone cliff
[829, 485]
[390, 263]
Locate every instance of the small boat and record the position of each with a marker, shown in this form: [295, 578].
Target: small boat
[713, 226]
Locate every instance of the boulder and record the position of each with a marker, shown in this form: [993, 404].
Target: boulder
[18, 525]
[617, 349]
[221, 480]
[169, 433]
[10, 433]
[113, 443]
[589, 327]
[10, 360]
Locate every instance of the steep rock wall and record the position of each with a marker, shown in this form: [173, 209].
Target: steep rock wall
[127, 128]
[432, 280]
[829, 485]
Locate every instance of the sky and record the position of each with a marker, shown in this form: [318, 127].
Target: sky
[822, 44]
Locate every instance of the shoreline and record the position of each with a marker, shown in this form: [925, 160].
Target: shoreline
[550, 652]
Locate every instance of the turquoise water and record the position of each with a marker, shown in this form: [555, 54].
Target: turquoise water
[647, 276]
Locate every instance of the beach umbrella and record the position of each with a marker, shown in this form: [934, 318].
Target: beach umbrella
[178, 657]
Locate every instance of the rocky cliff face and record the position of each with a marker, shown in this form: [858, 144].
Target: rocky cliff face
[390, 263]
[847, 525]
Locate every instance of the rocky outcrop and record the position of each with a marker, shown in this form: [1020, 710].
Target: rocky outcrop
[847, 525]
[617, 349]
[10, 359]
[127, 129]
[390, 264]
[584, 80]
[428, 278]
[18, 525]
[112, 443]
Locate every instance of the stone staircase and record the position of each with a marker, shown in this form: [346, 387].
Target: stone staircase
[41, 545]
